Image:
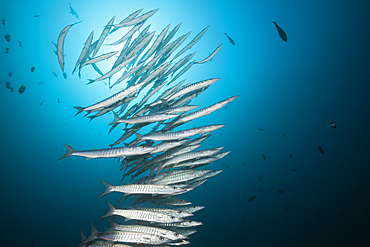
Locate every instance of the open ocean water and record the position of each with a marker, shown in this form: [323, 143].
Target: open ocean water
[276, 188]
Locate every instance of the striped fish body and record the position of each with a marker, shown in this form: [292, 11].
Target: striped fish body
[150, 230]
[146, 189]
[173, 212]
[105, 244]
[182, 177]
[178, 135]
[146, 216]
[185, 223]
[131, 237]
[191, 155]
[113, 152]
[147, 118]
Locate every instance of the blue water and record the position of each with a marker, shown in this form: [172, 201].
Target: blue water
[321, 73]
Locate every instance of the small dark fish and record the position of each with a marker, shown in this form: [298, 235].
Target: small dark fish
[11, 89]
[55, 74]
[291, 156]
[227, 166]
[7, 50]
[260, 190]
[3, 21]
[21, 89]
[263, 157]
[10, 74]
[243, 194]
[281, 32]
[42, 102]
[7, 37]
[7, 84]
[270, 231]
[33, 69]
[260, 129]
[284, 134]
[58, 100]
[32, 243]
[251, 199]
[42, 82]
[355, 183]
[65, 75]
[36, 16]
[320, 149]
[287, 210]
[280, 191]
[20, 43]
[293, 170]
[260, 178]
[332, 124]
[231, 40]
[243, 164]
[249, 179]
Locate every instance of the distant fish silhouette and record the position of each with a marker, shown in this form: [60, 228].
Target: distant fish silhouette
[263, 156]
[280, 191]
[251, 199]
[332, 124]
[281, 32]
[260, 129]
[293, 170]
[320, 149]
[231, 40]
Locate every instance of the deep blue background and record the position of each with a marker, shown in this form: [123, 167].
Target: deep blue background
[321, 73]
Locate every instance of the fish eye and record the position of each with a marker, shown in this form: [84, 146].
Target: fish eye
[179, 212]
[161, 238]
[176, 234]
[172, 217]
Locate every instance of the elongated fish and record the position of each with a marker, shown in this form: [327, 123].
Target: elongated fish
[142, 119]
[140, 189]
[110, 100]
[128, 18]
[128, 34]
[146, 229]
[281, 32]
[60, 44]
[103, 36]
[210, 57]
[99, 58]
[137, 20]
[119, 152]
[132, 214]
[84, 50]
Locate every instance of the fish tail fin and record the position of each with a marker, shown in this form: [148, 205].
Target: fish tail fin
[80, 109]
[110, 211]
[115, 120]
[69, 152]
[139, 137]
[108, 188]
[92, 236]
[90, 81]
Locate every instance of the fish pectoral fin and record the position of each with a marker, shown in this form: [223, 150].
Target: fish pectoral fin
[154, 194]
[127, 219]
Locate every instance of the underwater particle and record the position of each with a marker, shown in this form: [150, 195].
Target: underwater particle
[270, 231]
[58, 100]
[11, 89]
[7, 50]
[280, 191]
[355, 183]
[293, 170]
[284, 134]
[320, 149]
[33, 69]
[230, 39]
[7, 84]
[291, 156]
[3, 21]
[7, 37]
[20, 43]
[42, 102]
[260, 190]
[251, 199]
[260, 178]
[10, 74]
[65, 75]
[263, 157]
[42, 83]
[260, 129]
[21, 89]
[55, 74]
[332, 124]
[301, 217]
[281, 32]
[366, 211]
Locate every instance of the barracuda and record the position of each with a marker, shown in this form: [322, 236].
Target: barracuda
[119, 152]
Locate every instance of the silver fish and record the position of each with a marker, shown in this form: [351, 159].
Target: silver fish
[210, 57]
